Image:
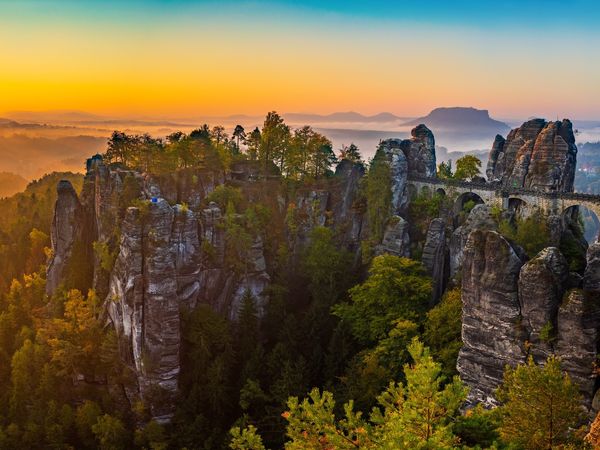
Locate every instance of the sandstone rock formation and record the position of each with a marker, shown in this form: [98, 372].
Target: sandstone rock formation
[398, 161]
[435, 257]
[396, 240]
[67, 230]
[347, 206]
[538, 155]
[577, 339]
[415, 156]
[491, 327]
[592, 270]
[480, 218]
[420, 152]
[542, 282]
[163, 249]
[513, 310]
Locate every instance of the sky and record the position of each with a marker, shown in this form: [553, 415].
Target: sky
[182, 58]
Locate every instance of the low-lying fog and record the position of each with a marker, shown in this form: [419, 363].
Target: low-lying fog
[32, 145]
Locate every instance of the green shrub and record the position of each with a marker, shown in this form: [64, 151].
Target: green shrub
[530, 233]
[105, 256]
[223, 195]
[547, 333]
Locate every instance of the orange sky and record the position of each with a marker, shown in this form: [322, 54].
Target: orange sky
[213, 63]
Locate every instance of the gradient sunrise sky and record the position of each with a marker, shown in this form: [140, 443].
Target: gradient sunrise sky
[187, 58]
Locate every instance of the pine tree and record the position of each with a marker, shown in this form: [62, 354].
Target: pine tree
[415, 415]
[541, 405]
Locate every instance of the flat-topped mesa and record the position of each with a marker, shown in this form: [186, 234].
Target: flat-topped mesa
[538, 155]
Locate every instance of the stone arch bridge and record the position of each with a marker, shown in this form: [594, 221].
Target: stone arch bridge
[495, 195]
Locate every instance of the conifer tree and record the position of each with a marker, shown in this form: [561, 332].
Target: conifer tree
[541, 405]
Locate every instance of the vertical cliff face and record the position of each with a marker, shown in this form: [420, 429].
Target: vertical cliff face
[435, 257]
[420, 151]
[347, 206]
[415, 156]
[542, 283]
[480, 218]
[576, 342]
[491, 327]
[154, 275]
[67, 232]
[512, 310]
[392, 149]
[538, 155]
[161, 248]
[496, 161]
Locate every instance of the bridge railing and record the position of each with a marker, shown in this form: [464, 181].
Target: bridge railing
[451, 182]
[503, 191]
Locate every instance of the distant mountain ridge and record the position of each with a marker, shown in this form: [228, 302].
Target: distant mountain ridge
[460, 118]
[348, 116]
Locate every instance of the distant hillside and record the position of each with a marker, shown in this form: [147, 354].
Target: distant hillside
[31, 156]
[11, 183]
[52, 116]
[349, 116]
[460, 118]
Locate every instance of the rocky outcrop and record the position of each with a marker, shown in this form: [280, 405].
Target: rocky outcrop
[496, 162]
[143, 302]
[392, 149]
[420, 152]
[415, 156]
[164, 254]
[67, 231]
[577, 339]
[435, 257]
[480, 218]
[348, 206]
[538, 155]
[395, 240]
[592, 270]
[549, 318]
[491, 327]
[542, 282]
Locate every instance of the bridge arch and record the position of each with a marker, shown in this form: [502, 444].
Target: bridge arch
[467, 200]
[441, 192]
[518, 206]
[585, 217]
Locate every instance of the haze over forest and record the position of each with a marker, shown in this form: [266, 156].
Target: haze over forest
[36, 143]
[291, 225]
